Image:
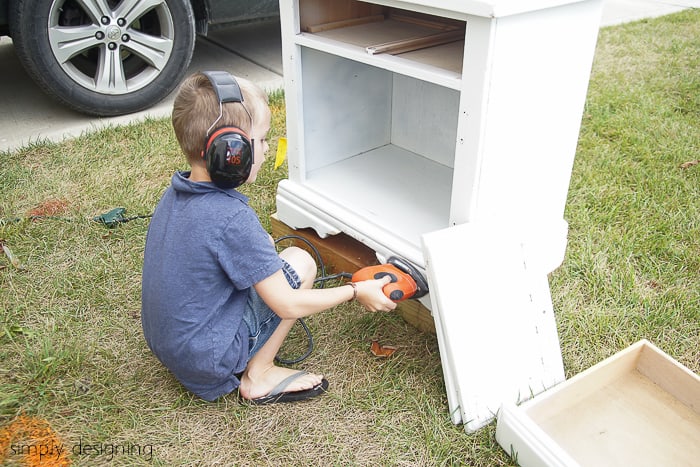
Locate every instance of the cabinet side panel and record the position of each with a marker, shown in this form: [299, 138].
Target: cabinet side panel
[471, 117]
[538, 83]
[347, 108]
[289, 24]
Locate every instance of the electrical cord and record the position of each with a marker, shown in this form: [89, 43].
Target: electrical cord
[340, 275]
[110, 218]
[116, 216]
[322, 279]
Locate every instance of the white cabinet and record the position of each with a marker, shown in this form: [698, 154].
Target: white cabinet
[410, 117]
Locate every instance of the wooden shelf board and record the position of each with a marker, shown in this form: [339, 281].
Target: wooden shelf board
[436, 65]
[398, 37]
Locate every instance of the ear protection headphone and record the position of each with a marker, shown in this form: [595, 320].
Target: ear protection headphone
[228, 150]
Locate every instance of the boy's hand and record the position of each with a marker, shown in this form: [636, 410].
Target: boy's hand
[371, 295]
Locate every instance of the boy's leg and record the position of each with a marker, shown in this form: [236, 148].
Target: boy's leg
[261, 374]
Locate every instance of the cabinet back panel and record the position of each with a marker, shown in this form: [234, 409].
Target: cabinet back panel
[314, 12]
[424, 119]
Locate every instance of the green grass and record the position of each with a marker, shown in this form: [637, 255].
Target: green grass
[633, 261]
[71, 346]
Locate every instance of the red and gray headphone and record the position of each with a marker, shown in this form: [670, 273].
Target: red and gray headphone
[228, 151]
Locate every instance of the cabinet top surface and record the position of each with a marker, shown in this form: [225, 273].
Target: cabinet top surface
[488, 8]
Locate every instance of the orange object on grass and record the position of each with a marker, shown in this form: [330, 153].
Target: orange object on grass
[379, 350]
[34, 441]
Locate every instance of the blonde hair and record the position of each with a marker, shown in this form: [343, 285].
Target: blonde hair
[196, 108]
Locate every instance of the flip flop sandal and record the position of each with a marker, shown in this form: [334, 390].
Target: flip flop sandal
[278, 393]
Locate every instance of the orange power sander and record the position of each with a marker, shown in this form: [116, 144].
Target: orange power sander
[406, 281]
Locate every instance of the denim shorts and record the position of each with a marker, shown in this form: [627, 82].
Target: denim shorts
[259, 318]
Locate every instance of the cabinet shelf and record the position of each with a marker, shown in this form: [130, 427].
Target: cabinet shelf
[423, 47]
[389, 187]
[427, 64]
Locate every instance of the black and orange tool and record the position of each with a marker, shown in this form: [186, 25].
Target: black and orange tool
[406, 281]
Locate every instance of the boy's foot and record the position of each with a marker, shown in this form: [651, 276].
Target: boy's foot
[278, 384]
[278, 394]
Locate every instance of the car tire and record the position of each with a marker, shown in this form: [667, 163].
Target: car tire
[102, 62]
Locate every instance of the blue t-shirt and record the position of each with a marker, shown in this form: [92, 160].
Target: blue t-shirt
[205, 248]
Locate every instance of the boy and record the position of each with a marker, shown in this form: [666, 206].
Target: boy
[217, 299]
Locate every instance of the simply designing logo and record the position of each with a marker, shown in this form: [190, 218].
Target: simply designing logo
[34, 442]
[31, 442]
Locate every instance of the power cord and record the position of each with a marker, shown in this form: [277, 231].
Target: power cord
[322, 279]
[115, 217]
[111, 218]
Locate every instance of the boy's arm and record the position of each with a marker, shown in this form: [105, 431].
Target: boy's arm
[288, 303]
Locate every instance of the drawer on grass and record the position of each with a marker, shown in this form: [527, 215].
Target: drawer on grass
[639, 407]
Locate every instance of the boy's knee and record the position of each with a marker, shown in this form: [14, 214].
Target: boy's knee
[302, 262]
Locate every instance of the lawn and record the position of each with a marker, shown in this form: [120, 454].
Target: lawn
[74, 363]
